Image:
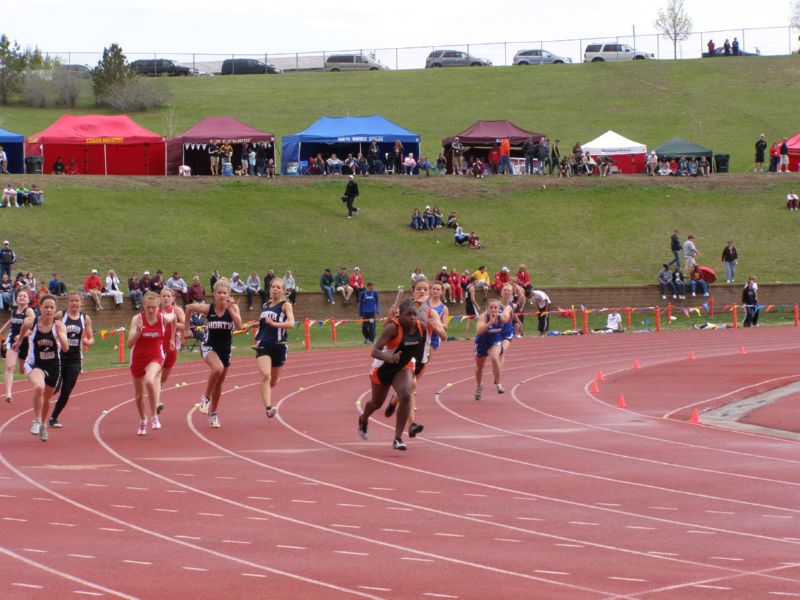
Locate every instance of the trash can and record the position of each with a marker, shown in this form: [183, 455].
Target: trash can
[721, 162]
[33, 165]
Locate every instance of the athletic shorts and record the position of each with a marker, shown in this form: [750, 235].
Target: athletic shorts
[170, 358]
[224, 357]
[277, 352]
[470, 310]
[52, 373]
[419, 369]
[22, 353]
[384, 374]
[482, 349]
[139, 365]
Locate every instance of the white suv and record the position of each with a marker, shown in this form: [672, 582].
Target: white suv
[613, 52]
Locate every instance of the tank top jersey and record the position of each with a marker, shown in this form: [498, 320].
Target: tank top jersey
[17, 319]
[434, 337]
[45, 349]
[411, 347]
[75, 329]
[468, 305]
[508, 328]
[492, 335]
[150, 344]
[170, 331]
[267, 334]
[219, 331]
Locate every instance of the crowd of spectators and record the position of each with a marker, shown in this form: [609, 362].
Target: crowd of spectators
[21, 196]
[678, 167]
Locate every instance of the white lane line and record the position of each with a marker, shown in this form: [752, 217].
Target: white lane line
[656, 552]
[166, 510]
[312, 483]
[15, 519]
[258, 518]
[188, 537]
[348, 505]
[7, 496]
[720, 512]
[427, 492]
[701, 532]
[778, 516]
[114, 529]
[415, 559]
[258, 498]
[28, 585]
[435, 595]
[512, 540]
[710, 587]
[479, 515]
[583, 523]
[792, 594]
[791, 539]
[399, 508]
[304, 501]
[640, 527]
[383, 489]
[396, 530]
[607, 504]
[98, 485]
[37, 550]
[81, 555]
[136, 562]
[530, 519]
[254, 575]
[42, 499]
[545, 572]
[726, 558]
[455, 535]
[663, 507]
[224, 477]
[627, 579]
[373, 588]
[290, 547]
[205, 514]
[342, 526]
[173, 491]
[524, 498]
[57, 524]
[194, 569]
[351, 553]
[570, 545]
[134, 488]
[59, 482]
[85, 593]
[122, 506]
[265, 480]
[184, 474]
[476, 495]
[236, 542]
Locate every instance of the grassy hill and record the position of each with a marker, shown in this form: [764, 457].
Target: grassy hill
[723, 104]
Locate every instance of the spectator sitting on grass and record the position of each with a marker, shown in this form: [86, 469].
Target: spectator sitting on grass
[603, 165]
[437, 218]
[476, 168]
[461, 237]
[424, 165]
[791, 201]
[428, 219]
[475, 241]
[613, 323]
[409, 164]
[416, 220]
[683, 167]
[58, 166]
[703, 166]
[693, 167]
[452, 220]
[652, 163]
[9, 196]
[663, 167]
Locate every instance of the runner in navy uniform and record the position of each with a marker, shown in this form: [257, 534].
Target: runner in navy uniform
[79, 331]
[488, 344]
[396, 352]
[471, 308]
[508, 316]
[222, 317]
[277, 317]
[13, 325]
[43, 364]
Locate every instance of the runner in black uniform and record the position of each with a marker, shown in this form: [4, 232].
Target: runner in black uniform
[43, 364]
[79, 331]
[471, 308]
[277, 317]
[221, 318]
[400, 346]
[13, 325]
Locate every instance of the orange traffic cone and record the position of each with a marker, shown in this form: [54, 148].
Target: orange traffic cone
[691, 355]
[635, 363]
[595, 388]
[600, 376]
[742, 350]
[695, 418]
[621, 402]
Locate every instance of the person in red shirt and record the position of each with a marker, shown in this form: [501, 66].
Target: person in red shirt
[356, 282]
[94, 288]
[524, 280]
[456, 291]
[501, 278]
[494, 158]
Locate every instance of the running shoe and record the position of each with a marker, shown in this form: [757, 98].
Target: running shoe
[160, 407]
[9, 399]
[43, 432]
[271, 411]
[500, 388]
[390, 408]
[399, 444]
[154, 422]
[142, 427]
[37, 425]
[55, 423]
[214, 420]
[362, 428]
[414, 429]
[205, 403]
[478, 392]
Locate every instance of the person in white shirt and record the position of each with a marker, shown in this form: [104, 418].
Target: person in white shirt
[542, 302]
[178, 287]
[791, 201]
[113, 289]
[690, 252]
[237, 285]
[613, 323]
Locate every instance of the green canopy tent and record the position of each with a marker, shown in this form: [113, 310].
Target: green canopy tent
[677, 147]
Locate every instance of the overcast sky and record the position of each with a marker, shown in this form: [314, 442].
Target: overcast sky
[213, 26]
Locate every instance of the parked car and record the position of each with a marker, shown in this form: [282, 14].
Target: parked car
[81, 71]
[352, 62]
[613, 52]
[454, 58]
[248, 66]
[721, 52]
[153, 67]
[538, 56]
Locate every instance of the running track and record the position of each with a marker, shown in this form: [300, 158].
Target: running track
[548, 491]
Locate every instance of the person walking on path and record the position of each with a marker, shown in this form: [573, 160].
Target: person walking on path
[690, 252]
[675, 246]
[350, 196]
[729, 258]
[750, 301]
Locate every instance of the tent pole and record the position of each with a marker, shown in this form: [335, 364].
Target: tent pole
[299, 155]
[105, 159]
[166, 164]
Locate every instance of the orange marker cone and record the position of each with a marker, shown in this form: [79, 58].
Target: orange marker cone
[695, 418]
[636, 363]
[600, 376]
[595, 388]
[621, 402]
[742, 350]
[691, 355]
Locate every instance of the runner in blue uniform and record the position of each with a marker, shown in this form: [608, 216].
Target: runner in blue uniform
[488, 344]
[16, 357]
[508, 316]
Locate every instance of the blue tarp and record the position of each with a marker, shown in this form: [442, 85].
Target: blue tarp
[343, 135]
[14, 146]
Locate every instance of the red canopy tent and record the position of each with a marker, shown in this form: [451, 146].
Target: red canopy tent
[793, 143]
[191, 147]
[100, 145]
[480, 138]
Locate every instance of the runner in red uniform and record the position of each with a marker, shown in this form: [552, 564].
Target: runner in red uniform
[172, 341]
[148, 330]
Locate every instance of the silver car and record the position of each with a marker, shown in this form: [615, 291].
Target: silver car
[539, 57]
[352, 62]
[454, 58]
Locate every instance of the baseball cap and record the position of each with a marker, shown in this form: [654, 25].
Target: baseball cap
[504, 269]
[94, 270]
[444, 268]
[146, 273]
[351, 177]
[6, 242]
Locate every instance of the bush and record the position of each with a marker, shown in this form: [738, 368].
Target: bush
[36, 90]
[66, 87]
[137, 94]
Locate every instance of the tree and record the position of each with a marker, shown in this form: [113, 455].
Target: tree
[12, 68]
[673, 23]
[112, 69]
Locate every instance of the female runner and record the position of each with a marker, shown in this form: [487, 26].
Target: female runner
[471, 308]
[79, 331]
[488, 344]
[172, 341]
[222, 317]
[13, 326]
[400, 346]
[277, 317]
[508, 316]
[148, 330]
[43, 364]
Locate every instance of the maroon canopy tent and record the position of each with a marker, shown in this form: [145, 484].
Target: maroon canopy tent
[483, 135]
[191, 147]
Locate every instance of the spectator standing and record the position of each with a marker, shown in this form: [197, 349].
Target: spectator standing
[113, 288]
[290, 285]
[761, 148]
[458, 156]
[505, 157]
[729, 258]
[3, 161]
[214, 278]
[774, 157]
[726, 47]
[134, 290]
[555, 156]
[350, 196]
[735, 47]
[543, 154]
[542, 302]
[711, 47]
[690, 252]
[783, 167]
[197, 293]
[356, 282]
[529, 150]
[750, 301]
[213, 158]
[791, 201]
[665, 281]
[8, 258]
[326, 285]
[178, 287]
[368, 310]
[493, 158]
[57, 287]
[93, 288]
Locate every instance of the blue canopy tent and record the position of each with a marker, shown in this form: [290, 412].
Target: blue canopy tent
[14, 146]
[343, 135]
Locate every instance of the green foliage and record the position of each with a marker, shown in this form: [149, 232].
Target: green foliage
[12, 68]
[138, 94]
[112, 70]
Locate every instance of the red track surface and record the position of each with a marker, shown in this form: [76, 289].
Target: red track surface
[548, 491]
